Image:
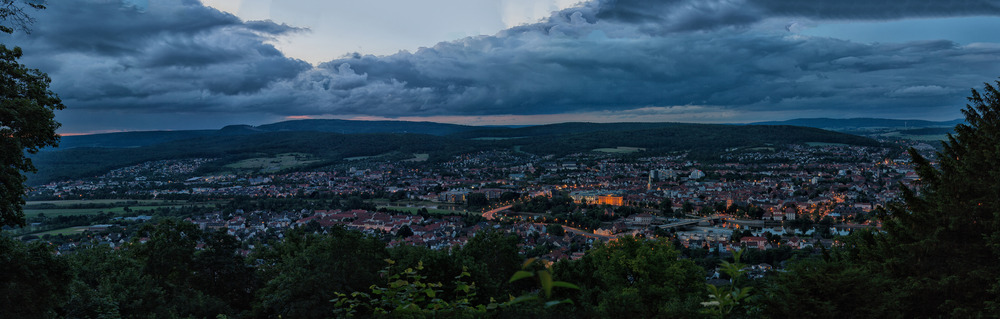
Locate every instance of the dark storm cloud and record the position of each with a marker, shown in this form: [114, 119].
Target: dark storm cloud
[109, 28]
[644, 58]
[526, 75]
[685, 15]
[623, 55]
[171, 56]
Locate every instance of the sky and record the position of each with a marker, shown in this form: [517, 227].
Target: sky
[128, 65]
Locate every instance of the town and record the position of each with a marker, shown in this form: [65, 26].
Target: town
[789, 197]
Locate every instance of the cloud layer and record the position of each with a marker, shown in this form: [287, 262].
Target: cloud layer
[628, 56]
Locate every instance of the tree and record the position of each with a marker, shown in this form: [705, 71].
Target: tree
[476, 200]
[666, 207]
[303, 272]
[943, 244]
[938, 251]
[32, 280]
[14, 17]
[635, 278]
[829, 288]
[27, 118]
[555, 230]
[491, 255]
[404, 232]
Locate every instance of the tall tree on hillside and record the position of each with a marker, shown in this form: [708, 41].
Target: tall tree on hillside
[942, 246]
[27, 120]
[937, 254]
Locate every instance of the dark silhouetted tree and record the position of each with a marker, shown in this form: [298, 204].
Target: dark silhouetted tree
[27, 118]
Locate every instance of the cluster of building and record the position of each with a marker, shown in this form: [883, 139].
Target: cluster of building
[787, 183]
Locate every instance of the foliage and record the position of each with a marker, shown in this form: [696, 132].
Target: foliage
[14, 17]
[936, 255]
[407, 294]
[833, 287]
[303, 272]
[27, 124]
[545, 282]
[723, 301]
[941, 247]
[477, 200]
[555, 230]
[490, 256]
[27, 118]
[32, 280]
[634, 277]
[165, 275]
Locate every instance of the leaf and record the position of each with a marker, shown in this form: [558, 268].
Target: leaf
[522, 299]
[565, 285]
[556, 302]
[546, 279]
[527, 263]
[520, 274]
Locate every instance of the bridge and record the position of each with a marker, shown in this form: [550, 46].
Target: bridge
[689, 222]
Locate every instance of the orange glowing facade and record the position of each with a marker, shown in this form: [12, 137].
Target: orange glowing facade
[613, 200]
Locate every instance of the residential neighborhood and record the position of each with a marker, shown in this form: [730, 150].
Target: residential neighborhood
[794, 196]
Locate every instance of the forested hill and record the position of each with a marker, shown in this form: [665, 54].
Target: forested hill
[325, 148]
[328, 147]
[705, 138]
[559, 129]
[356, 127]
[861, 123]
[145, 138]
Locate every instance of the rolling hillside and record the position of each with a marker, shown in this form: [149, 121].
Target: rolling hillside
[236, 143]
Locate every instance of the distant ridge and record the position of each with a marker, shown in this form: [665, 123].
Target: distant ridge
[362, 127]
[146, 138]
[561, 128]
[861, 123]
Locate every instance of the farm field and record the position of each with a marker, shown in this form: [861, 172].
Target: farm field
[62, 231]
[620, 150]
[97, 201]
[80, 207]
[419, 158]
[275, 163]
[87, 211]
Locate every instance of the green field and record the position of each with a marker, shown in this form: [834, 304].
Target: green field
[99, 201]
[28, 213]
[921, 138]
[419, 158]
[65, 207]
[63, 231]
[620, 149]
[925, 138]
[358, 158]
[275, 163]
